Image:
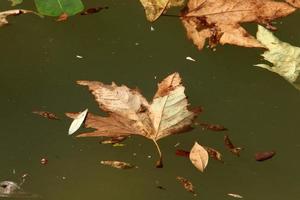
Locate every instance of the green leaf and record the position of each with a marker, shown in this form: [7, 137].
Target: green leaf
[284, 57]
[58, 7]
[15, 2]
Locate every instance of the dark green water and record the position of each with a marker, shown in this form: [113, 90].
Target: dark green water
[38, 70]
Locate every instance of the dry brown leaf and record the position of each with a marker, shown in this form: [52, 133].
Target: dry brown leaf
[154, 8]
[188, 186]
[199, 157]
[130, 113]
[213, 153]
[117, 164]
[90, 11]
[46, 114]
[5, 14]
[265, 155]
[212, 127]
[233, 149]
[219, 20]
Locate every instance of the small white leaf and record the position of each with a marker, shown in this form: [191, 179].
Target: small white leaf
[190, 58]
[199, 157]
[235, 195]
[77, 122]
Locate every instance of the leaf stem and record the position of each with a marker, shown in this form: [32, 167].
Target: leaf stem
[159, 163]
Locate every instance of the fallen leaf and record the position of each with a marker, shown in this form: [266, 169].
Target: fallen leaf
[190, 59]
[7, 13]
[117, 164]
[154, 8]
[46, 114]
[90, 11]
[284, 57]
[62, 17]
[213, 153]
[265, 155]
[235, 195]
[15, 2]
[213, 127]
[180, 152]
[77, 122]
[57, 7]
[113, 140]
[219, 20]
[130, 113]
[199, 157]
[231, 147]
[188, 186]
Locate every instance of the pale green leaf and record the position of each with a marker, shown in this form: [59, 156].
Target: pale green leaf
[15, 2]
[58, 7]
[284, 57]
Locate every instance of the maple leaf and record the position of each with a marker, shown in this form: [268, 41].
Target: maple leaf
[130, 113]
[284, 57]
[219, 20]
[154, 8]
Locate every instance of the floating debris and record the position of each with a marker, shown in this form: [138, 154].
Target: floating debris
[46, 114]
[190, 59]
[231, 147]
[235, 195]
[117, 164]
[262, 156]
[188, 186]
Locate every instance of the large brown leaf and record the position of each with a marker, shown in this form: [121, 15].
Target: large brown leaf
[130, 113]
[219, 20]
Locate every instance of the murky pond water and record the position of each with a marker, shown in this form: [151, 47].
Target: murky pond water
[38, 70]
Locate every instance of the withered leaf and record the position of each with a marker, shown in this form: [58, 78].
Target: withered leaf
[117, 164]
[199, 157]
[154, 8]
[265, 155]
[231, 147]
[46, 114]
[213, 127]
[62, 17]
[90, 11]
[219, 20]
[5, 14]
[180, 152]
[130, 113]
[188, 186]
[213, 153]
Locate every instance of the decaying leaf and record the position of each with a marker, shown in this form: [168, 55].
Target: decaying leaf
[62, 17]
[231, 147]
[154, 8]
[46, 114]
[90, 11]
[130, 113]
[188, 186]
[113, 140]
[180, 152]
[5, 14]
[214, 153]
[219, 20]
[265, 155]
[199, 157]
[295, 3]
[284, 57]
[15, 2]
[235, 195]
[77, 122]
[213, 127]
[117, 164]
